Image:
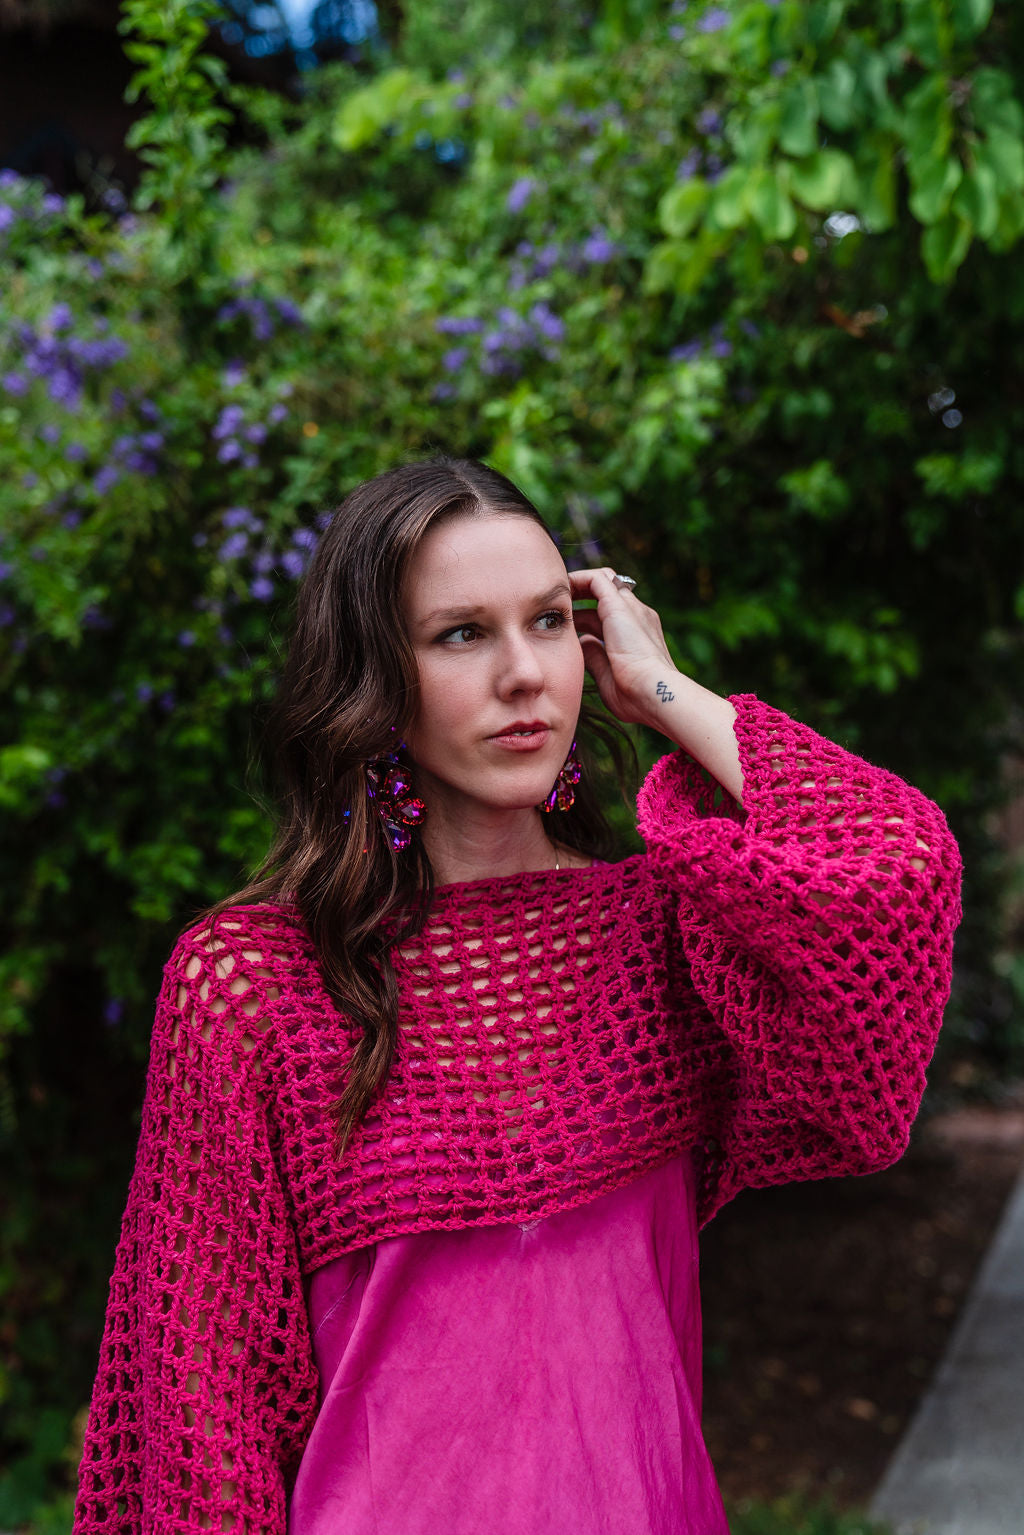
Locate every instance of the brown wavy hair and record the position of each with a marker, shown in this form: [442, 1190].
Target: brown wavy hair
[350, 676]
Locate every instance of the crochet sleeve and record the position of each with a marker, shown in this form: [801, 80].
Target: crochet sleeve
[816, 925]
[206, 1388]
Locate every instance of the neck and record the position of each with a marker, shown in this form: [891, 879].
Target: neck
[482, 843]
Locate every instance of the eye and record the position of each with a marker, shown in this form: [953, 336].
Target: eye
[556, 619]
[455, 636]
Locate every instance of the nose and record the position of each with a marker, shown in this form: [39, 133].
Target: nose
[519, 669]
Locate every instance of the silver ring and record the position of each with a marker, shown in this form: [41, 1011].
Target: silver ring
[624, 581]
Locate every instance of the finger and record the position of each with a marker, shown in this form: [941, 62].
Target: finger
[596, 582]
[587, 621]
[596, 661]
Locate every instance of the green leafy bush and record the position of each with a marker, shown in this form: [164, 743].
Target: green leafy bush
[732, 293]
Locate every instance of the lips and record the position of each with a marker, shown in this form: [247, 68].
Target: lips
[522, 736]
[519, 727]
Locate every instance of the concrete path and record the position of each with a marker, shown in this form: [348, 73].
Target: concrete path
[959, 1470]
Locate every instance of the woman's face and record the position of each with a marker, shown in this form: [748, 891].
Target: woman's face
[489, 615]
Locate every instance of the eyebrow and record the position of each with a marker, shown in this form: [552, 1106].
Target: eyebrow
[451, 615]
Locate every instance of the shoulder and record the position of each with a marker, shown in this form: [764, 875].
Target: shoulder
[234, 966]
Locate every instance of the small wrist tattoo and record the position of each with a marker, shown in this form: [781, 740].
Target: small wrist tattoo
[664, 692]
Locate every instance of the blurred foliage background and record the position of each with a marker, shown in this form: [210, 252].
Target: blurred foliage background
[732, 291]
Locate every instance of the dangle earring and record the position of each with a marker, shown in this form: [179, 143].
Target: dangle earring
[389, 784]
[563, 794]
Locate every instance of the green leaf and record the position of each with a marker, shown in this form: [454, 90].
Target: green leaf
[824, 180]
[875, 201]
[944, 246]
[994, 106]
[837, 92]
[926, 31]
[970, 17]
[682, 206]
[771, 207]
[1003, 155]
[933, 183]
[728, 199]
[798, 122]
[977, 200]
[928, 118]
[367, 111]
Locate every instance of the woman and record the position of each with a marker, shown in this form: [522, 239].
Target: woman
[436, 1105]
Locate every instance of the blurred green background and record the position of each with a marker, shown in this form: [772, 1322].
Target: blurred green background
[732, 291]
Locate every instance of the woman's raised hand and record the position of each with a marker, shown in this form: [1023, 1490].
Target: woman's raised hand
[623, 647]
[625, 652]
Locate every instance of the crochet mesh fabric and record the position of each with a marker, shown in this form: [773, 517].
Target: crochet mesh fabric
[764, 983]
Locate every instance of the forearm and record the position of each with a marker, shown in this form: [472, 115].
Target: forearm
[699, 721]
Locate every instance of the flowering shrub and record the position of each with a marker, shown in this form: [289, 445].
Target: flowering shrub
[729, 290]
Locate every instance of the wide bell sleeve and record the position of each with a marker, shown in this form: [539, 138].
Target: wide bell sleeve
[816, 927]
[206, 1387]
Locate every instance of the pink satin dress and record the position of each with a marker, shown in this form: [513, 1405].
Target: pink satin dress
[516, 1379]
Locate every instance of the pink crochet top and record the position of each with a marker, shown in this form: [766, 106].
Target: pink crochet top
[764, 986]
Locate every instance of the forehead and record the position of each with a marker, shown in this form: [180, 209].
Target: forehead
[483, 559]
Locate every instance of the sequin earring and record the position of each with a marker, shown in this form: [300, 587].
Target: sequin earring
[563, 794]
[389, 785]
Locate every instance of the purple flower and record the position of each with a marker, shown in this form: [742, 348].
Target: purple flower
[52, 203]
[71, 519]
[709, 122]
[29, 481]
[263, 563]
[113, 1011]
[6, 615]
[200, 540]
[149, 409]
[689, 165]
[598, 248]
[458, 325]
[238, 517]
[38, 552]
[56, 800]
[289, 312]
[75, 452]
[548, 258]
[7, 217]
[780, 67]
[444, 391]
[229, 420]
[225, 635]
[105, 479]
[65, 387]
[676, 33]
[262, 589]
[454, 358]
[50, 433]
[276, 414]
[547, 322]
[256, 433]
[689, 351]
[721, 348]
[714, 20]
[9, 178]
[463, 100]
[234, 547]
[60, 318]
[228, 451]
[14, 383]
[520, 194]
[6, 569]
[293, 563]
[186, 639]
[166, 701]
[151, 441]
[233, 375]
[749, 328]
[305, 538]
[143, 692]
